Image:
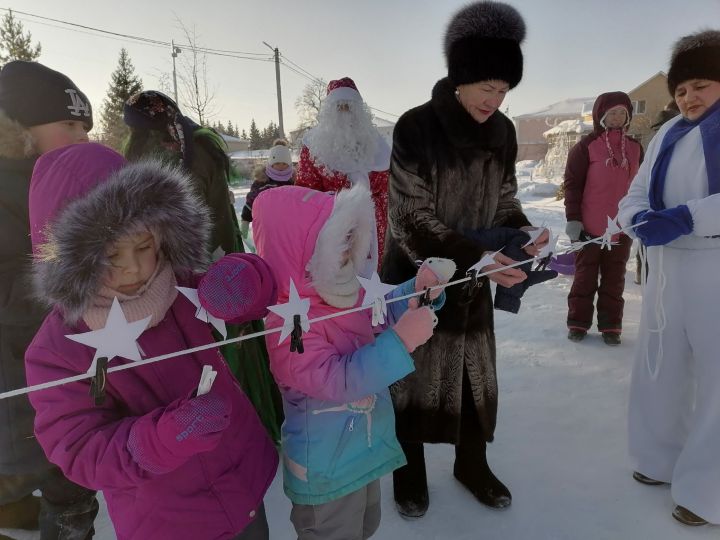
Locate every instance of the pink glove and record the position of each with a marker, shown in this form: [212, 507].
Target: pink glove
[434, 271]
[238, 288]
[415, 326]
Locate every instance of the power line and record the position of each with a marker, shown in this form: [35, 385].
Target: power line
[313, 78]
[123, 40]
[263, 57]
[240, 55]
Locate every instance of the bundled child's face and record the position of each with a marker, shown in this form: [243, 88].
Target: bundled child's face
[616, 117]
[280, 166]
[133, 259]
[58, 134]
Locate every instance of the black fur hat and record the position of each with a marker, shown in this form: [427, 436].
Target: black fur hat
[482, 42]
[696, 56]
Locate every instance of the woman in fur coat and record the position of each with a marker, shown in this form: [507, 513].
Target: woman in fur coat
[452, 170]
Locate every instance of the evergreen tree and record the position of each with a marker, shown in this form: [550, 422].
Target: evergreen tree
[244, 135]
[221, 129]
[255, 137]
[14, 43]
[123, 84]
[230, 129]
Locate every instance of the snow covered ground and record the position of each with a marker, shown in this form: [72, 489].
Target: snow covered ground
[560, 443]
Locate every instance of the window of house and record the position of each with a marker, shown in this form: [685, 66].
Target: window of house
[638, 106]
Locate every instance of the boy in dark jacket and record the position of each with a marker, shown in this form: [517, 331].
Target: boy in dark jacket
[598, 174]
[40, 110]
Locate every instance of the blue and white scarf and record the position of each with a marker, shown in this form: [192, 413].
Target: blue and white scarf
[710, 132]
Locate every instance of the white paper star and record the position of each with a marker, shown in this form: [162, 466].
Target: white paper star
[549, 248]
[612, 229]
[487, 259]
[375, 292]
[534, 235]
[117, 338]
[294, 306]
[201, 313]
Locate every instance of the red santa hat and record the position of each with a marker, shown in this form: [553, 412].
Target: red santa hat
[343, 90]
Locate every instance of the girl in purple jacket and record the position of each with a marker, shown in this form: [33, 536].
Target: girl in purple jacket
[171, 464]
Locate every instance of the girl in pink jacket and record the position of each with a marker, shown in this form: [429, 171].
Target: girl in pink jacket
[171, 464]
[338, 438]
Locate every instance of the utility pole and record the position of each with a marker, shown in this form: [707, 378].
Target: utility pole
[279, 91]
[175, 51]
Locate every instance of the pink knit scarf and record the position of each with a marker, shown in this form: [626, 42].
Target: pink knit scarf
[154, 298]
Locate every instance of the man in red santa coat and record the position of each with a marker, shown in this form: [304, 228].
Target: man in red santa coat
[345, 148]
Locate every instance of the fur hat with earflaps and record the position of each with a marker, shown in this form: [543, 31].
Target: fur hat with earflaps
[482, 43]
[696, 56]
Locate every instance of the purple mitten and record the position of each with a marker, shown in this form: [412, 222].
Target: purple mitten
[164, 439]
[195, 425]
[238, 288]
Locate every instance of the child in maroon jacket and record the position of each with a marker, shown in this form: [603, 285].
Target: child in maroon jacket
[598, 174]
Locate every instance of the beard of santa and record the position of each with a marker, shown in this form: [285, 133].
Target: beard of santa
[345, 139]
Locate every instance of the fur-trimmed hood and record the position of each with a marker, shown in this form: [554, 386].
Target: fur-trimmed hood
[307, 245]
[71, 261]
[15, 141]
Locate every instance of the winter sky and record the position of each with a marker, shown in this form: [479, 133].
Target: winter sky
[392, 48]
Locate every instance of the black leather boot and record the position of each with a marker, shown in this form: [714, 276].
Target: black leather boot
[472, 470]
[410, 483]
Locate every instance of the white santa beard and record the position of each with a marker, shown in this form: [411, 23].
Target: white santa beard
[344, 141]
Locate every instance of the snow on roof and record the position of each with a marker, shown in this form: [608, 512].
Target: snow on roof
[575, 125]
[230, 138]
[572, 106]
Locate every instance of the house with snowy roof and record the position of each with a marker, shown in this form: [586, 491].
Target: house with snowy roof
[530, 127]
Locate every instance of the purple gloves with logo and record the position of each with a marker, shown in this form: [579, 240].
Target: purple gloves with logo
[238, 288]
[163, 440]
[663, 226]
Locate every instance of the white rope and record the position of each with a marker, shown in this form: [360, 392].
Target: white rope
[80, 377]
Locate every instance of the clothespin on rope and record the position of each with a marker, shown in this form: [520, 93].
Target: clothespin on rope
[296, 343]
[378, 312]
[425, 300]
[471, 287]
[97, 383]
[542, 263]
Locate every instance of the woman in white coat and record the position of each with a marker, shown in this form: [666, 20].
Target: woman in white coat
[674, 201]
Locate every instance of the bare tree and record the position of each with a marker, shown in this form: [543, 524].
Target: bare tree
[195, 93]
[308, 103]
